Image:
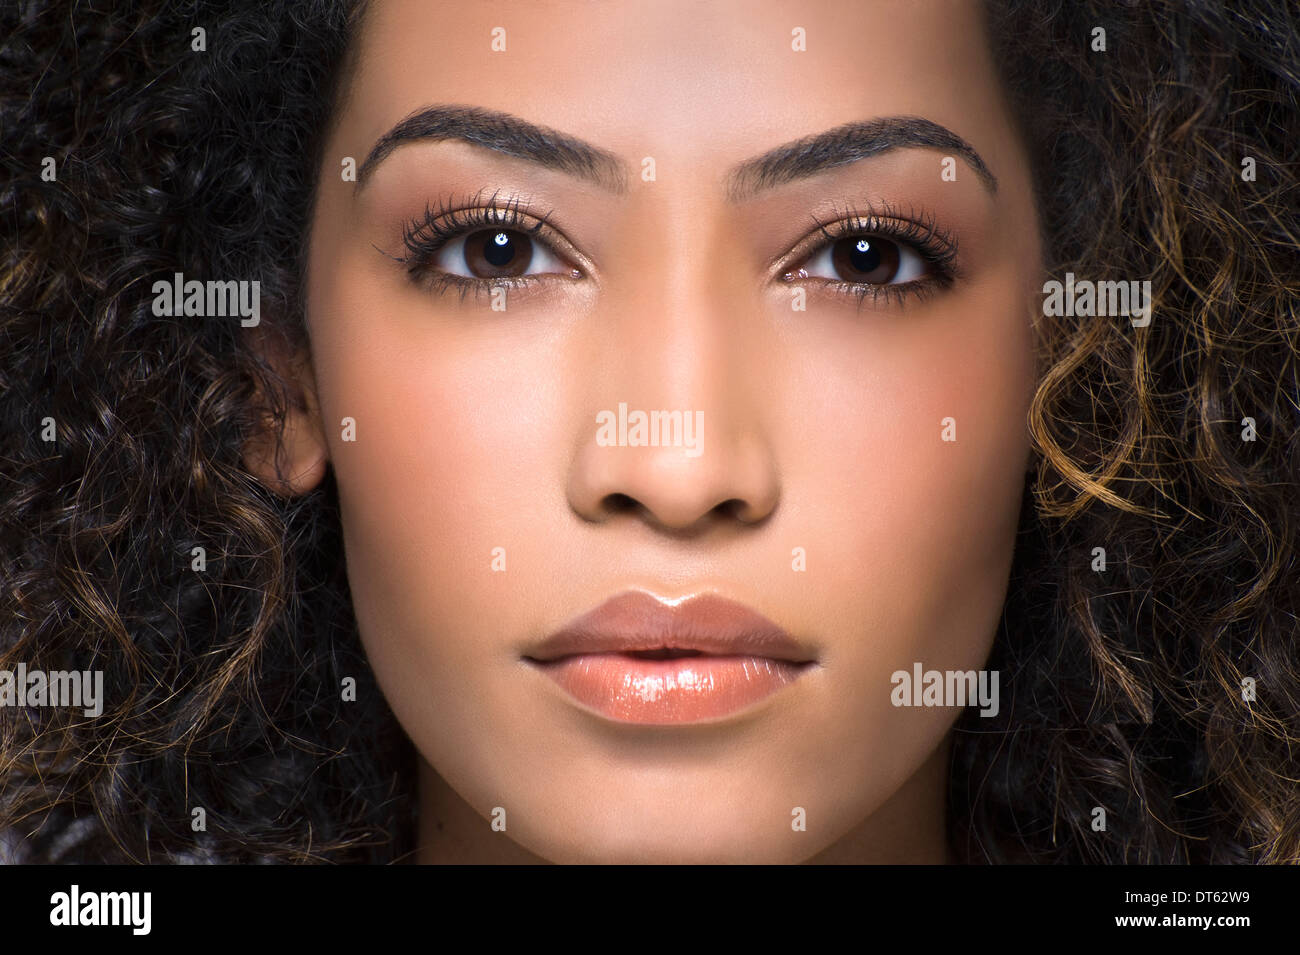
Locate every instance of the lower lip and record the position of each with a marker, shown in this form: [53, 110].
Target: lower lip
[680, 690]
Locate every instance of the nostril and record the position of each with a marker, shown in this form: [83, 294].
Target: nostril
[734, 508]
[618, 503]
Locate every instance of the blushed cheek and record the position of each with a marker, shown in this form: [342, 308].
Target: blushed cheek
[964, 484]
[911, 491]
[920, 474]
[442, 481]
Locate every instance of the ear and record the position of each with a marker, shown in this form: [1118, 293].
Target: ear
[297, 464]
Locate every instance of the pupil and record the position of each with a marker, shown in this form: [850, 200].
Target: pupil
[864, 257]
[500, 250]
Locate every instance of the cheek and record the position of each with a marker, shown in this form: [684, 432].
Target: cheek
[923, 449]
[913, 534]
[442, 481]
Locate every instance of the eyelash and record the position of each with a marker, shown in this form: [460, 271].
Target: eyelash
[425, 235]
[915, 228]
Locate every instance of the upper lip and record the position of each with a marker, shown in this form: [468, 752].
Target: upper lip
[640, 622]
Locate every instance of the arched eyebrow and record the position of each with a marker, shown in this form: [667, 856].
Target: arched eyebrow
[848, 144]
[502, 133]
[512, 136]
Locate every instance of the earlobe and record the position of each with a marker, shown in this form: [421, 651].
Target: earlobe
[296, 464]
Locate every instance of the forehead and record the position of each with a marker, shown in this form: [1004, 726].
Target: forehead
[685, 81]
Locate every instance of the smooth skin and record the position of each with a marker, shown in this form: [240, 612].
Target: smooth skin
[476, 429]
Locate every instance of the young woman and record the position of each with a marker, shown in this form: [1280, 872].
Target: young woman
[674, 432]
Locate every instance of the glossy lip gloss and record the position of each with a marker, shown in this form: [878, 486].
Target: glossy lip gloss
[638, 659]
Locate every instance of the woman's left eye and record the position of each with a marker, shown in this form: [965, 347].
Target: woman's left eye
[867, 260]
[496, 253]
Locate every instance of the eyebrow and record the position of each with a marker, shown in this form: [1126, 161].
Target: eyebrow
[502, 133]
[848, 144]
[512, 136]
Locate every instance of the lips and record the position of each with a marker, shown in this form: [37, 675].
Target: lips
[638, 659]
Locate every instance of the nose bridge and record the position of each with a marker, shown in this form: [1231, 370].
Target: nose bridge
[673, 326]
[672, 427]
[683, 308]
[673, 302]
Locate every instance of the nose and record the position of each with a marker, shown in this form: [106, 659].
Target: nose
[674, 434]
[731, 479]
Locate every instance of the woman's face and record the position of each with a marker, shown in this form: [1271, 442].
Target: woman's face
[648, 259]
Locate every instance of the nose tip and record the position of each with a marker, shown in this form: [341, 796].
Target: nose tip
[727, 481]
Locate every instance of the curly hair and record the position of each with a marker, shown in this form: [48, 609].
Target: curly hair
[222, 687]
[1123, 686]
[1127, 682]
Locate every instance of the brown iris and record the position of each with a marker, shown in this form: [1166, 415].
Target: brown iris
[498, 253]
[865, 259]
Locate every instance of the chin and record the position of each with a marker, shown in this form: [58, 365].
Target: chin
[681, 831]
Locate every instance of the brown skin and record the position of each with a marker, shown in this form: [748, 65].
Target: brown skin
[475, 429]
